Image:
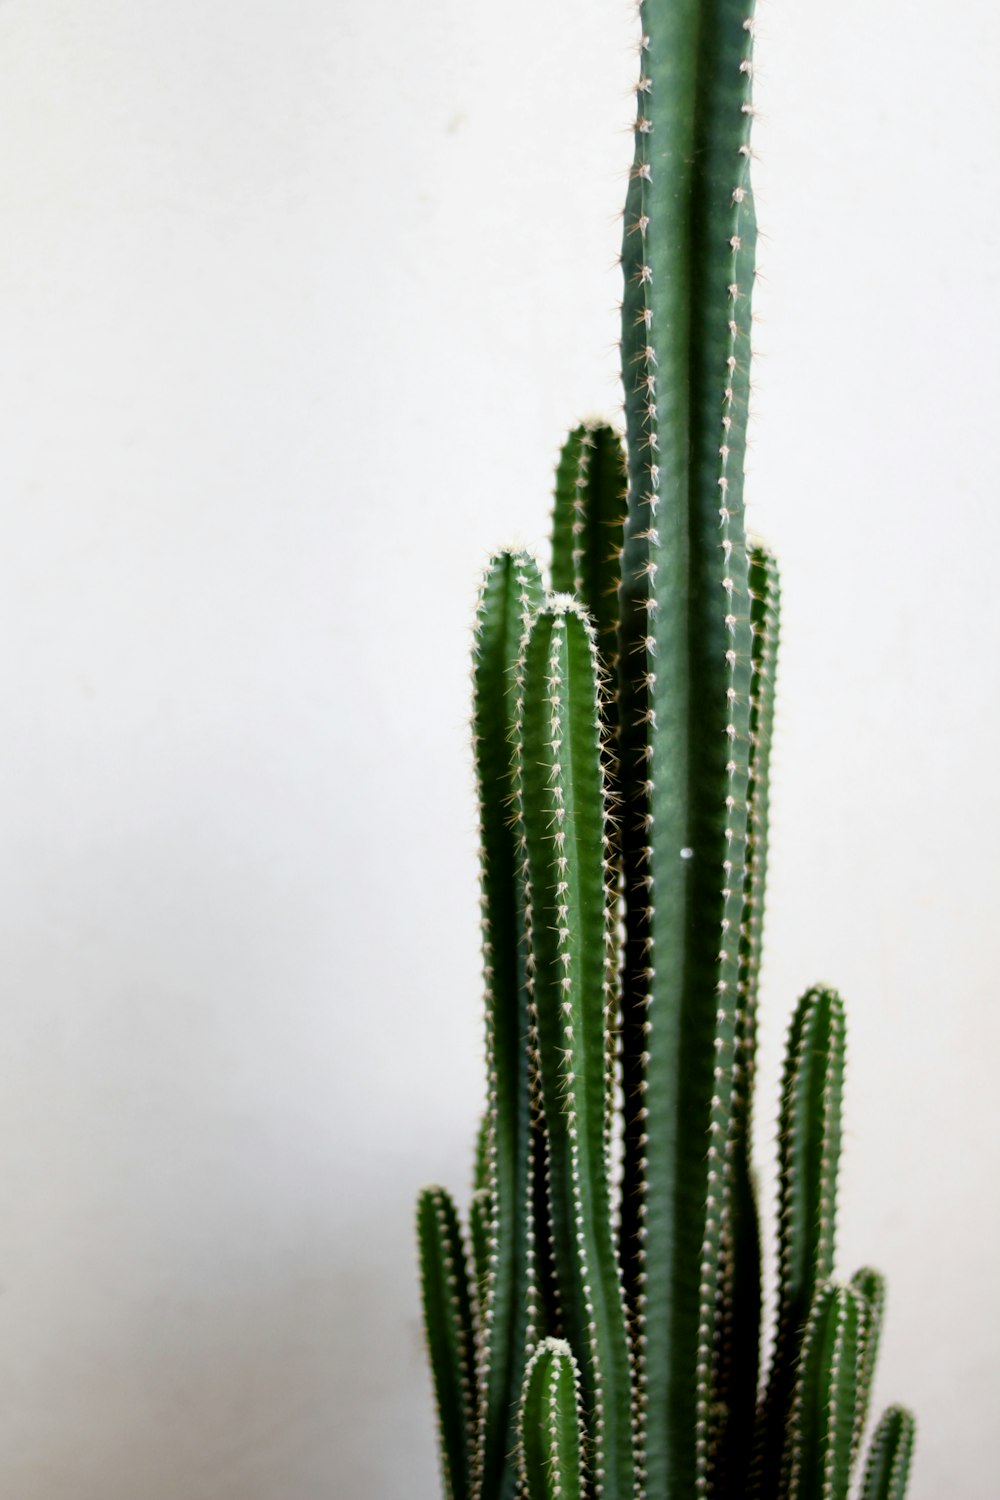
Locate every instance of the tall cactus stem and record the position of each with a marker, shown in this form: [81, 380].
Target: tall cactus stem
[448, 1328]
[562, 811]
[588, 523]
[809, 1152]
[871, 1285]
[551, 1447]
[588, 527]
[765, 613]
[684, 708]
[823, 1417]
[511, 589]
[890, 1454]
[738, 1348]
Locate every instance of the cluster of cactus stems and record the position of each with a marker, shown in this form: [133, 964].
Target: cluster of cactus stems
[595, 1328]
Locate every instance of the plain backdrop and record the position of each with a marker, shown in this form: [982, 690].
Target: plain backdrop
[297, 300]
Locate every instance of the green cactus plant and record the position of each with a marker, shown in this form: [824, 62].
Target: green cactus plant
[604, 1337]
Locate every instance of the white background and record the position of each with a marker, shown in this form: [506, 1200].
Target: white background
[297, 300]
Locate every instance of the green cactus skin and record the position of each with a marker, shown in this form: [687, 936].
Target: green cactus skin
[588, 526]
[481, 1160]
[551, 1451]
[737, 1364]
[871, 1285]
[511, 589]
[480, 1228]
[448, 1323]
[545, 1311]
[765, 614]
[561, 804]
[685, 720]
[824, 1410]
[889, 1456]
[809, 1153]
[623, 729]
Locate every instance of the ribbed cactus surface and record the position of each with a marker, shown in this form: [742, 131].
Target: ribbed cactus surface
[596, 1329]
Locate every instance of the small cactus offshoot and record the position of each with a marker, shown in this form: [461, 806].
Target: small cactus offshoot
[595, 1330]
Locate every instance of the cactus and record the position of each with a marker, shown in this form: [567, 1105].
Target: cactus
[600, 1336]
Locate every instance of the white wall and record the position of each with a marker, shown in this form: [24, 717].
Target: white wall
[297, 301]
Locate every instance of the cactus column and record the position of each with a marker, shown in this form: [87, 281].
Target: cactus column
[685, 713]
[607, 1343]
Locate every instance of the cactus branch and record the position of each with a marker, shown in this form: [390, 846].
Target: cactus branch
[889, 1456]
[685, 734]
[738, 1348]
[588, 522]
[823, 1418]
[448, 1328]
[551, 1450]
[809, 1154]
[511, 588]
[871, 1285]
[572, 971]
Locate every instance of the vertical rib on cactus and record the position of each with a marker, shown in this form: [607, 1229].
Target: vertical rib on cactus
[448, 1327]
[551, 1451]
[688, 259]
[738, 1349]
[821, 1427]
[889, 1454]
[809, 1154]
[561, 806]
[480, 1227]
[481, 1159]
[511, 588]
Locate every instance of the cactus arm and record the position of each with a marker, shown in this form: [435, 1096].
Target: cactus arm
[809, 1151]
[738, 1349]
[684, 736]
[822, 1422]
[448, 1327]
[572, 968]
[890, 1453]
[588, 525]
[511, 588]
[871, 1285]
[765, 607]
[551, 1452]
[588, 521]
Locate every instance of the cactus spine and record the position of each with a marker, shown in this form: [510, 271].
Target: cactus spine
[607, 1344]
